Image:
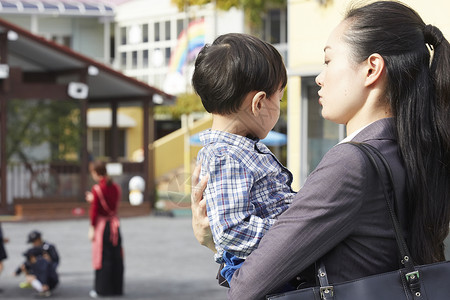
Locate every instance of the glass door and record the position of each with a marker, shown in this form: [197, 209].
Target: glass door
[318, 134]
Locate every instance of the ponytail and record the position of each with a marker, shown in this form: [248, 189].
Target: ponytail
[417, 58]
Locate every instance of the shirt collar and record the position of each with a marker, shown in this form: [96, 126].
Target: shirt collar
[210, 136]
[351, 136]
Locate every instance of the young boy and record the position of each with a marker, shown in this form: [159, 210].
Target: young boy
[240, 80]
[41, 273]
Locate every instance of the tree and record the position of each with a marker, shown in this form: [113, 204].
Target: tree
[185, 104]
[253, 9]
[33, 123]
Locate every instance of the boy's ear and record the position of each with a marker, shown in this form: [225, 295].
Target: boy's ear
[257, 102]
[375, 67]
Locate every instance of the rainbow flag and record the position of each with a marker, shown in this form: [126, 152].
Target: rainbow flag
[190, 41]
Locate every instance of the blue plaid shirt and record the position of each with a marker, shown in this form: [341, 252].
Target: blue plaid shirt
[247, 189]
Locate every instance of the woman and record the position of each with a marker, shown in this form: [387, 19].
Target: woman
[104, 232]
[382, 83]
[3, 254]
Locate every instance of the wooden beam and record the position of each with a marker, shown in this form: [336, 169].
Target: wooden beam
[114, 132]
[20, 89]
[147, 160]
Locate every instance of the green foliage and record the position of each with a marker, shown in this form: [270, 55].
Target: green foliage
[253, 9]
[189, 103]
[32, 123]
[185, 104]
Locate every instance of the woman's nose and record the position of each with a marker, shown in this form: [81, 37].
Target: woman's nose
[319, 79]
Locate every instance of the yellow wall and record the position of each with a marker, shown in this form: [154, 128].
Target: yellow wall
[169, 150]
[309, 26]
[134, 134]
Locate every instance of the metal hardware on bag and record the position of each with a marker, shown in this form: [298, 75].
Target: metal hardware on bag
[326, 291]
[405, 259]
[412, 275]
[414, 283]
[322, 274]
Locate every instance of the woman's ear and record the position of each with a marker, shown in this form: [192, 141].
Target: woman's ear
[375, 68]
[257, 102]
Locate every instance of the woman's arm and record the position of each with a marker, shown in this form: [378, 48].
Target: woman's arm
[200, 223]
[322, 215]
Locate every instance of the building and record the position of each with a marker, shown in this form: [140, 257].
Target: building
[310, 23]
[158, 46]
[42, 72]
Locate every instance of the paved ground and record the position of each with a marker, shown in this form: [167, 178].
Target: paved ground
[162, 259]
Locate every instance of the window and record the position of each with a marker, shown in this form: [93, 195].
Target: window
[167, 30]
[101, 139]
[145, 33]
[167, 55]
[275, 26]
[134, 59]
[156, 29]
[145, 59]
[318, 134]
[123, 59]
[123, 35]
[65, 40]
[180, 26]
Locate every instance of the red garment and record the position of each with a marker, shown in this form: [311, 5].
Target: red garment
[109, 197]
[112, 195]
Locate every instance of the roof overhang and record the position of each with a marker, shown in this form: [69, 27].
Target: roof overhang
[37, 58]
[57, 7]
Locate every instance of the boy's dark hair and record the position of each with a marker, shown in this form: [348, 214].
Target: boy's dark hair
[234, 65]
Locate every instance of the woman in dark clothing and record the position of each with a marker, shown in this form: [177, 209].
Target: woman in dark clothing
[104, 232]
[386, 77]
[3, 254]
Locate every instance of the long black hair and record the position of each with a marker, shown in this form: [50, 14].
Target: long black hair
[417, 60]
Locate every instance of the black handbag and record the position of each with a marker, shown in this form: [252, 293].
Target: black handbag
[425, 282]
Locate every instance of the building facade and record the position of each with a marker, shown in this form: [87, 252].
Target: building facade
[310, 23]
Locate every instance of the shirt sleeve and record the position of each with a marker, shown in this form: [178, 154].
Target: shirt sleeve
[93, 210]
[235, 227]
[322, 214]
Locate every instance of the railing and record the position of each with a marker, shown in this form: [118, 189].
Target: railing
[58, 181]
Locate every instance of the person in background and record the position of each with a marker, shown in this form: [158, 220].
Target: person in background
[104, 232]
[387, 78]
[41, 273]
[49, 252]
[3, 254]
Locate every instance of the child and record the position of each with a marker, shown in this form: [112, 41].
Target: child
[42, 274]
[240, 80]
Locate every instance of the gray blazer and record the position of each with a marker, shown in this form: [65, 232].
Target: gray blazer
[339, 216]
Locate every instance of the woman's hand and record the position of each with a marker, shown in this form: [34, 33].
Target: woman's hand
[89, 197]
[91, 233]
[200, 222]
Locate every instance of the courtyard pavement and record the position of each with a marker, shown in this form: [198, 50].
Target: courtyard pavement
[162, 259]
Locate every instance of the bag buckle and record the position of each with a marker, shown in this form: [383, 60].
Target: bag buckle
[412, 276]
[414, 283]
[326, 292]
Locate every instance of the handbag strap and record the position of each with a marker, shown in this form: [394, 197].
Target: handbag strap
[412, 275]
[403, 248]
